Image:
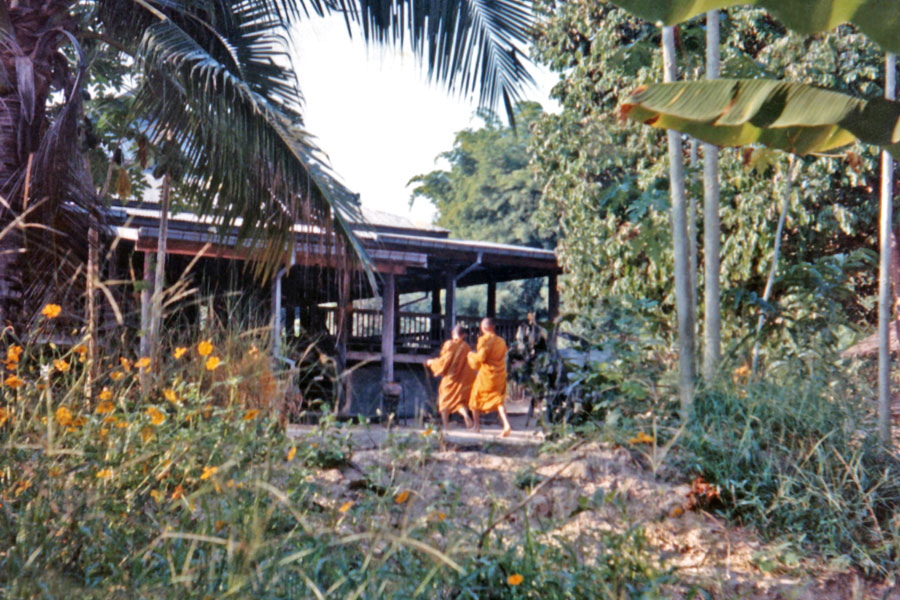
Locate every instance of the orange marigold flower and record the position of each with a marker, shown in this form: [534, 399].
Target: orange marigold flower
[178, 492]
[14, 381]
[179, 352]
[142, 363]
[120, 424]
[170, 395]
[103, 433]
[126, 364]
[64, 416]
[514, 579]
[116, 375]
[109, 420]
[104, 473]
[105, 394]
[208, 472]
[105, 407]
[292, 453]
[14, 353]
[156, 416]
[80, 349]
[251, 414]
[345, 506]
[4, 416]
[402, 497]
[204, 348]
[212, 363]
[641, 438]
[60, 365]
[440, 516]
[51, 311]
[79, 421]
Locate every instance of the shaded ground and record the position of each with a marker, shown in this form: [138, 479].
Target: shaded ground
[578, 493]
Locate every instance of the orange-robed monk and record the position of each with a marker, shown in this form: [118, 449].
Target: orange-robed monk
[457, 376]
[489, 391]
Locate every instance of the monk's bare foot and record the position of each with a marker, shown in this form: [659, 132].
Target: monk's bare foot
[505, 432]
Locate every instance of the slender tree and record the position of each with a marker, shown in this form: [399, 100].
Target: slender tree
[884, 268]
[680, 243]
[712, 231]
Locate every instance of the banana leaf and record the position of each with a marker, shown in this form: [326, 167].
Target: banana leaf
[794, 117]
[878, 19]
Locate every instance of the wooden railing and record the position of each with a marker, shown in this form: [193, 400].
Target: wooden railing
[416, 332]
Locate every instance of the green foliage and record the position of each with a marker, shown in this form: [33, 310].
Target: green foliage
[490, 193]
[606, 181]
[799, 459]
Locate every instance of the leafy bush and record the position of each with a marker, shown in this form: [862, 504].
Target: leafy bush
[800, 458]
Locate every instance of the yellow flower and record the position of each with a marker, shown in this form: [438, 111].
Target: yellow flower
[178, 492]
[514, 579]
[440, 516]
[79, 421]
[61, 365]
[170, 395]
[64, 416]
[428, 431]
[291, 453]
[208, 472]
[109, 420]
[4, 416]
[104, 474]
[401, 497]
[103, 432]
[212, 363]
[116, 375]
[676, 512]
[121, 424]
[51, 311]
[105, 394]
[142, 363]
[156, 416]
[14, 381]
[641, 438]
[179, 352]
[157, 496]
[22, 486]
[251, 414]
[345, 506]
[105, 407]
[204, 348]
[13, 354]
[80, 349]
[126, 364]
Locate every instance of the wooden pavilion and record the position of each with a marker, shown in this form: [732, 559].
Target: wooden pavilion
[317, 294]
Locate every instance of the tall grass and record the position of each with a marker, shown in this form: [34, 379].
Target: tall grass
[800, 459]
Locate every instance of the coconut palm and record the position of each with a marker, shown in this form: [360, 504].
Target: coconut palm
[213, 90]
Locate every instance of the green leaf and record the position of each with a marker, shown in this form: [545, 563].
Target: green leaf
[794, 117]
[878, 19]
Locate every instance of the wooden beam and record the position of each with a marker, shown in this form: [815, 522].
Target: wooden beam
[492, 299]
[450, 303]
[435, 310]
[146, 296]
[388, 299]
[552, 297]
[374, 357]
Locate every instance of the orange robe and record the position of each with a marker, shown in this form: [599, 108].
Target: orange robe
[457, 376]
[489, 391]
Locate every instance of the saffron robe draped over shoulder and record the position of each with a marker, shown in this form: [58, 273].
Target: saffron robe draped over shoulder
[489, 391]
[457, 375]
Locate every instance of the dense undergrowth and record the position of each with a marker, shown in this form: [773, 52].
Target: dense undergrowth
[174, 480]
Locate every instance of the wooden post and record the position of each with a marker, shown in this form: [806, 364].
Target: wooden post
[92, 277]
[397, 319]
[492, 299]
[344, 323]
[146, 295]
[450, 303]
[552, 297]
[388, 302]
[435, 310]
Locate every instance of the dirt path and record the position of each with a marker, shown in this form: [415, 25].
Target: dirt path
[470, 476]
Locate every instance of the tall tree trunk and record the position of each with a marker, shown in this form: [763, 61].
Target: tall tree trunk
[156, 305]
[712, 231]
[680, 244]
[884, 270]
[692, 236]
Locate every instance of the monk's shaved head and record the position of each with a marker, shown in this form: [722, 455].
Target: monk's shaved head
[487, 325]
[458, 332]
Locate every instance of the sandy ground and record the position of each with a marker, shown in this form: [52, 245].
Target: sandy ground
[474, 474]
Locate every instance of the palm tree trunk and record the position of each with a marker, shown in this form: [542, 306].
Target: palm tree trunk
[712, 231]
[692, 236]
[884, 270]
[156, 304]
[680, 244]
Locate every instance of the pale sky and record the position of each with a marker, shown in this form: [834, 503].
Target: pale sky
[377, 117]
